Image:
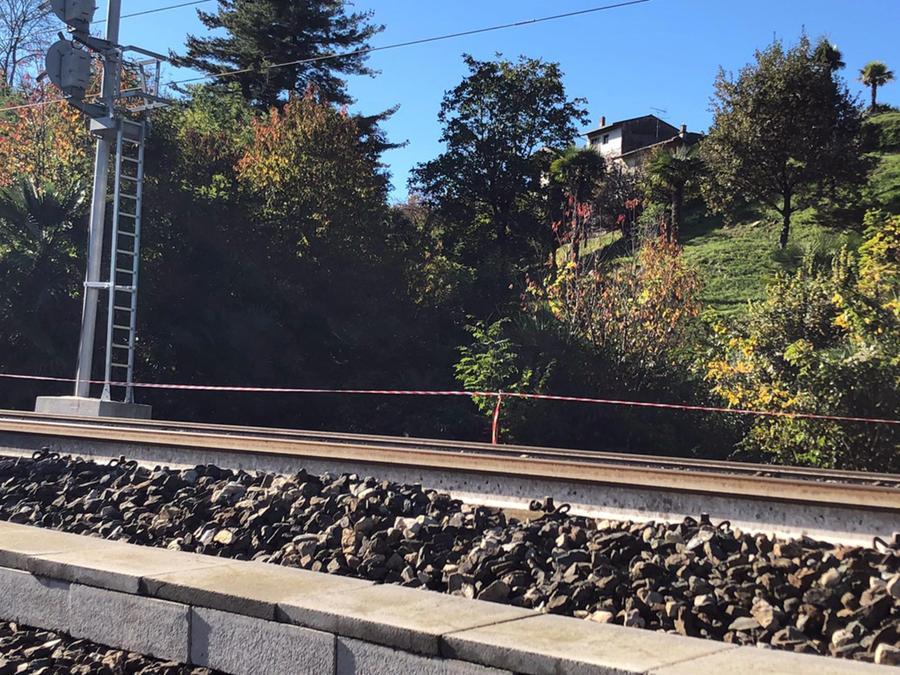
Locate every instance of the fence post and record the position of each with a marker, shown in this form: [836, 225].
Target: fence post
[495, 426]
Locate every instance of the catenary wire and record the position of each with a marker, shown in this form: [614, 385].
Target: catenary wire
[367, 50]
[410, 43]
[141, 13]
[158, 9]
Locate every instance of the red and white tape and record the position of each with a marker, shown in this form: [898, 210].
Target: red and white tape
[499, 395]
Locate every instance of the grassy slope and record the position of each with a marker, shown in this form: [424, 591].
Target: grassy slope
[884, 183]
[737, 262]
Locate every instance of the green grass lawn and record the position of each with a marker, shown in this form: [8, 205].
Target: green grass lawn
[736, 262]
[884, 182]
[591, 246]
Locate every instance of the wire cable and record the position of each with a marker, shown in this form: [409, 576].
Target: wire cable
[141, 13]
[410, 43]
[32, 105]
[357, 52]
[158, 9]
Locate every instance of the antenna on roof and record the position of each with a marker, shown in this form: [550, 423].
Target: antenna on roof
[660, 111]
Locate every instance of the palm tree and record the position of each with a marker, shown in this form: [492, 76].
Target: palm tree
[578, 171]
[875, 74]
[830, 55]
[668, 174]
[40, 243]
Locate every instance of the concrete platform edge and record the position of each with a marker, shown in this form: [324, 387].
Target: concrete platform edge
[524, 644]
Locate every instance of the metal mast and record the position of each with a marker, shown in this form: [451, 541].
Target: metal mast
[119, 121]
[92, 286]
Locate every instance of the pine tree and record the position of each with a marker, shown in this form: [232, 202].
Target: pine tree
[265, 33]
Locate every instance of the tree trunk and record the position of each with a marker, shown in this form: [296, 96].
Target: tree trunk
[785, 222]
[576, 236]
[677, 202]
[874, 95]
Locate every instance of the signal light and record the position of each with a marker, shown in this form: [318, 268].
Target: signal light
[74, 13]
[69, 68]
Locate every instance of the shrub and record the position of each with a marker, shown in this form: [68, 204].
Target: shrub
[825, 340]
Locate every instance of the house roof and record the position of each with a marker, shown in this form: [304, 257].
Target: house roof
[620, 122]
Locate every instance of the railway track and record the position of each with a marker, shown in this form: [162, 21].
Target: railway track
[840, 505]
[467, 447]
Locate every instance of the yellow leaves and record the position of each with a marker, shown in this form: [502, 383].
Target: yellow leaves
[47, 143]
[842, 320]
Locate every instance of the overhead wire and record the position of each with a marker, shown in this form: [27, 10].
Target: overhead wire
[356, 52]
[410, 43]
[158, 9]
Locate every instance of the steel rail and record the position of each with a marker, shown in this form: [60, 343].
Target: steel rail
[635, 460]
[486, 461]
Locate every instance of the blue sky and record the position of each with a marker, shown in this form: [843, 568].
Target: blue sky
[662, 54]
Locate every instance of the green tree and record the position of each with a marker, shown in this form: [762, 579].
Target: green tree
[669, 172]
[825, 341]
[269, 257]
[829, 54]
[578, 173]
[260, 34]
[485, 188]
[491, 362]
[785, 130]
[41, 235]
[875, 74]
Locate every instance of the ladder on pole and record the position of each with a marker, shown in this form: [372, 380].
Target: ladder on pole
[124, 259]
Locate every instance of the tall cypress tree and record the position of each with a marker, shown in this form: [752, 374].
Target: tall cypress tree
[264, 33]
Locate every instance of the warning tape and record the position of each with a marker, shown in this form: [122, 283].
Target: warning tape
[498, 395]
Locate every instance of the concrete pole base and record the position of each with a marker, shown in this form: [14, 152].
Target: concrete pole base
[77, 406]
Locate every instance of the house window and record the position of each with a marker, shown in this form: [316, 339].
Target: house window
[605, 139]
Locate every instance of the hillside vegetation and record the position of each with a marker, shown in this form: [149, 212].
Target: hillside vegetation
[736, 262]
[884, 183]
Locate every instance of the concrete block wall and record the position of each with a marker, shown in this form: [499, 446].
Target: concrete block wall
[245, 617]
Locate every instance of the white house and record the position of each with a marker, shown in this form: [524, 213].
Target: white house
[630, 141]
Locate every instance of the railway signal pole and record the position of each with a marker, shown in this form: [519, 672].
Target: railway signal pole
[118, 120]
[109, 90]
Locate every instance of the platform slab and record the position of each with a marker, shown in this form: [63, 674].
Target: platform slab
[244, 645]
[404, 618]
[756, 660]
[144, 625]
[556, 645]
[249, 588]
[116, 566]
[355, 657]
[20, 542]
[33, 601]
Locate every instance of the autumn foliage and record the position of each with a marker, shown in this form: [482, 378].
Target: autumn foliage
[639, 312]
[46, 141]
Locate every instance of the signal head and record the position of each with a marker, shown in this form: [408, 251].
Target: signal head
[74, 13]
[69, 68]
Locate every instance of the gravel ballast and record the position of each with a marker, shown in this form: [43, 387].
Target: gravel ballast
[694, 577]
[41, 652]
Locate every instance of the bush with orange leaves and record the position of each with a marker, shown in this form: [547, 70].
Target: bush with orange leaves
[314, 178]
[639, 313]
[45, 142]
